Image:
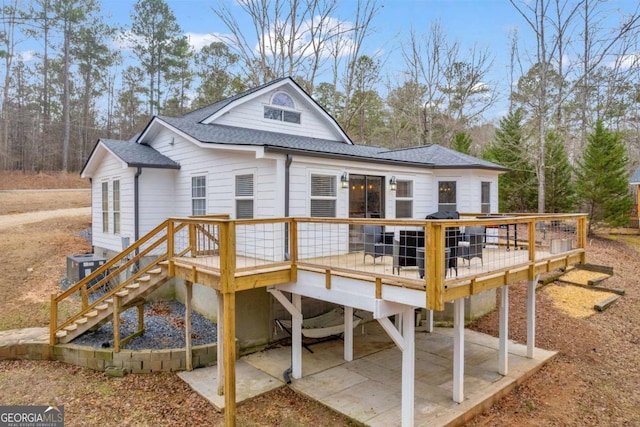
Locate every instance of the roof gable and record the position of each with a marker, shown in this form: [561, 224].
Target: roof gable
[130, 153]
[215, 113]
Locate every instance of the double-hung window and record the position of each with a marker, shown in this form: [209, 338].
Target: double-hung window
[105, 207]
[323, 196]
[116, 206]
[244, 196]
[199, 195]
[485, 201]
[404, 199]
[447, 196]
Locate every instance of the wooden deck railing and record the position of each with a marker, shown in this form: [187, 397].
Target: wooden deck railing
[238, 252]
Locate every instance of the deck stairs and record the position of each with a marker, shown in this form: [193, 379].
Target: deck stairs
[121, 283]
[125, 297]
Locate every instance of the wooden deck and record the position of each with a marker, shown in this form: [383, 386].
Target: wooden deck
[310, 257]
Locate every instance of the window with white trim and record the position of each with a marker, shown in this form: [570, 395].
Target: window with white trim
[199, 195]
[244, 196]
[105, 207]
[404, 199]
[115, 196]
[323, 196]
[447, 196]
[485, 195]
[281, 109]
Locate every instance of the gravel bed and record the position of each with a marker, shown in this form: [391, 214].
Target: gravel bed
[164, 328]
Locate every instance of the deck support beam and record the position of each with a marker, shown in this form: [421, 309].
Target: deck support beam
[296, 337]
[531, 316]
[187, 326]
[503, 335]
[405, 340]
[229, 301]
[294, 308]
[348, 333]
[220, 344]
[428, 321]
[458, 350]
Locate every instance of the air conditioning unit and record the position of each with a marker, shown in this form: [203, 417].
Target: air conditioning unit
[80, 266]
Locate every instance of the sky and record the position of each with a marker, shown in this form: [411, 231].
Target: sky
[481, 23]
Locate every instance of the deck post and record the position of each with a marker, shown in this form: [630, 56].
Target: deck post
[220, 344]
[296, 338]
[429, 321]
[458, 350]
[229, 301]
[187, 326]
[503, 352]
[408, 366]
[531, 316]
[116, 323]
[348, 333]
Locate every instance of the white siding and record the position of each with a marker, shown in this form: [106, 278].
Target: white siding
[468, 188]
[251, 115]
[111, 169]
[156, 194]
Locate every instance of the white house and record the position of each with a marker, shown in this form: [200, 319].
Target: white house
[271, 151]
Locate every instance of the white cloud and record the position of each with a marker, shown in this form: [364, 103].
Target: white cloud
[198, 40]
[27, 55]
[332, 32]
[626, 61]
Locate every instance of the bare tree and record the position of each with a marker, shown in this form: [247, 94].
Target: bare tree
[553, 23]
[456, 92]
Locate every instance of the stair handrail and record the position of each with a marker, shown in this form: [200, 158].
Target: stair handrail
[165, 226]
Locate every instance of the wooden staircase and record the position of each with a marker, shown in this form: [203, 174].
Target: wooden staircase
[122, 298]
[122, 282]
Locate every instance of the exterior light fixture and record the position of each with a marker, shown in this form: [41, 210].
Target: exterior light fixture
[393, 184]
[344, 180]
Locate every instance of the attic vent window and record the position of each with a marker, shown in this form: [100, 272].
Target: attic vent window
[279, 109]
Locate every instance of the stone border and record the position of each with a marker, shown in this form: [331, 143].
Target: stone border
[134, 361]
[32, 344]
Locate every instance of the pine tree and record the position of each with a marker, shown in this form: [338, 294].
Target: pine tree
[462, 143]
[559, 186]
[518, 187]
[603, 177]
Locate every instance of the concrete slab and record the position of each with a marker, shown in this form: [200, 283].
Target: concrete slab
[250, 382]
[368, 389]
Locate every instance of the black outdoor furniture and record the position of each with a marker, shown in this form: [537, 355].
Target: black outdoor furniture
[472, 243]
[377, 243]
[405, 254]
[452, 236]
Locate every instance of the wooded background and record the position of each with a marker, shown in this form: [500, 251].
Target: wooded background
[81, 87]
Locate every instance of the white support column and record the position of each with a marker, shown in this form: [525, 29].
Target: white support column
[458, 350]
[296, 338]
[503, 336]
[531, 316]
[220, 343]
[408, 366]
[348, 333]
[428, 321]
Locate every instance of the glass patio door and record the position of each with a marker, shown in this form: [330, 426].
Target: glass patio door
[366, 200]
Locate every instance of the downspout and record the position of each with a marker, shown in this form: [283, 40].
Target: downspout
[136, 210]
[287, 166]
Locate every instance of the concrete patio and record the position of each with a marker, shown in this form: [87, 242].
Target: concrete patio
[368, 389]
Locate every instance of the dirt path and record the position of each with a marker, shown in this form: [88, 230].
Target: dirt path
[12, 220]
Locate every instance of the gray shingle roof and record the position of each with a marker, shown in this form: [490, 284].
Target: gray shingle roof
[434, 156]
[134, 154]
